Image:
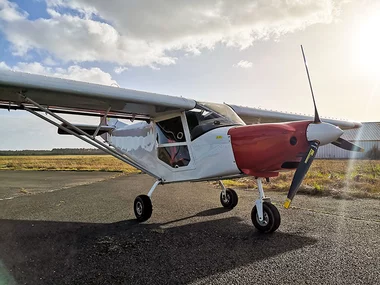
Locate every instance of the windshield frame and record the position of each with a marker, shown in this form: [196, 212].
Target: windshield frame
[204, 118]
[224, 111]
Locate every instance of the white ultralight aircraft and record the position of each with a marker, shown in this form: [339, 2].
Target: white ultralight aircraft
[179, 139]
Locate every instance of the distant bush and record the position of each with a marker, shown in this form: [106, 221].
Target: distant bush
[373, 153]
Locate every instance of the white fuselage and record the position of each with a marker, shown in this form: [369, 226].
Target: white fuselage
[211, 154]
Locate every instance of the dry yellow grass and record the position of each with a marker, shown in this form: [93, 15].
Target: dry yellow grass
[65, 162]
[339, 178]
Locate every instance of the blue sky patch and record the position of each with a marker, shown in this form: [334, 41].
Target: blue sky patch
[35, 8]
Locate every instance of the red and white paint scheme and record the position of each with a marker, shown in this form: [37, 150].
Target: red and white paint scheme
[179, 139]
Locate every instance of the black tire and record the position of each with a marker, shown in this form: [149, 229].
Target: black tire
[143, 208]
[231, 199]
[272, 218]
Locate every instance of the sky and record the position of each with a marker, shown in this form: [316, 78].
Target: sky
[239, 52]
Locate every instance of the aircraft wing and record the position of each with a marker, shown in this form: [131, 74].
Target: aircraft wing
[256, 116]
[74, 97]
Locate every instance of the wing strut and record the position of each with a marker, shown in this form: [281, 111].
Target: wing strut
[75, 131]
[100, 124]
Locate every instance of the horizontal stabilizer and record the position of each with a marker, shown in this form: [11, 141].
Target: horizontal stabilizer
[89, 129]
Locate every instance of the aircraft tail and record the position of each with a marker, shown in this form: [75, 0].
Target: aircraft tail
[111, 123]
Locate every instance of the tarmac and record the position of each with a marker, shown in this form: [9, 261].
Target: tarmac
[79, 228]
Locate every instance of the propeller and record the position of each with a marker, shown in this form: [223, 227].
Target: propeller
[318, 133]
[301, 171]
[342, 143]
[316, 115]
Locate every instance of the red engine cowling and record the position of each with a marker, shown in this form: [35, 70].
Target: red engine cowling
[265, 149]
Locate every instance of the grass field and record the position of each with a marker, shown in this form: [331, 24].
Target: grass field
[339, 178]
[65, 162]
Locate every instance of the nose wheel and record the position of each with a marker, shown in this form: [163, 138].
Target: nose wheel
[271, 218]
[265, 216]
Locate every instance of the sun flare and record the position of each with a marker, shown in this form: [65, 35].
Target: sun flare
[367, 41]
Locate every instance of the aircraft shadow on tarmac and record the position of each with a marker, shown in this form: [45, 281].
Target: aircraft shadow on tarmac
[48, 252]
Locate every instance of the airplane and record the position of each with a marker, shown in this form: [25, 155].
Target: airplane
[179, 139]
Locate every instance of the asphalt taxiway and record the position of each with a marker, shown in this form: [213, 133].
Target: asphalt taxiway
[79, 228]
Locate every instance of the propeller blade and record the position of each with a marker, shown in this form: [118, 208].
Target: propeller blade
[301, 171]
[316, 116]
[342, 143]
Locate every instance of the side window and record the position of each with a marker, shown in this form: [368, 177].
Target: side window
[170, 131]
[175, 156]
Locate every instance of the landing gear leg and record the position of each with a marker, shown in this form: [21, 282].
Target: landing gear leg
[228, 197]
[265, 216]
[143, 204]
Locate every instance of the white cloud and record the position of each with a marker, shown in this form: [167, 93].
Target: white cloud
[3, 65]
[79, 40]
[9, 11]
[143, 33]
[120, 69]
[49, 61]
[243, 64]
[74, 72]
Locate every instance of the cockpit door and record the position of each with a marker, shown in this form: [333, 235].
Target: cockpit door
[173, 140]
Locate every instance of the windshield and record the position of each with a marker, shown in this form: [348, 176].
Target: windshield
[208, 116]
[223, 110]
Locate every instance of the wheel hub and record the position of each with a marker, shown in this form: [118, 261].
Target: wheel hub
[139, 208]
[226, 198]
[265, 220]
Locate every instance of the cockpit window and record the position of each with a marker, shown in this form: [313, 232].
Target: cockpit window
[170, 134]
[207, 116]
[224, 110]
[170, 131]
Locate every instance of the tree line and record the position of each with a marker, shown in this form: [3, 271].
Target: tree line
[54, 151]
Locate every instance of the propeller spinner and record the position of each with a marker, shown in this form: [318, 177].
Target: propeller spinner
[318, 133]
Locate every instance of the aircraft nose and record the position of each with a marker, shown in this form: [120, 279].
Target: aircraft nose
[323, 132]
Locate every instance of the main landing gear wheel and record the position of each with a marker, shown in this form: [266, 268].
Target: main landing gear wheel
[229, 200]
[143, 208]
[272, 218]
